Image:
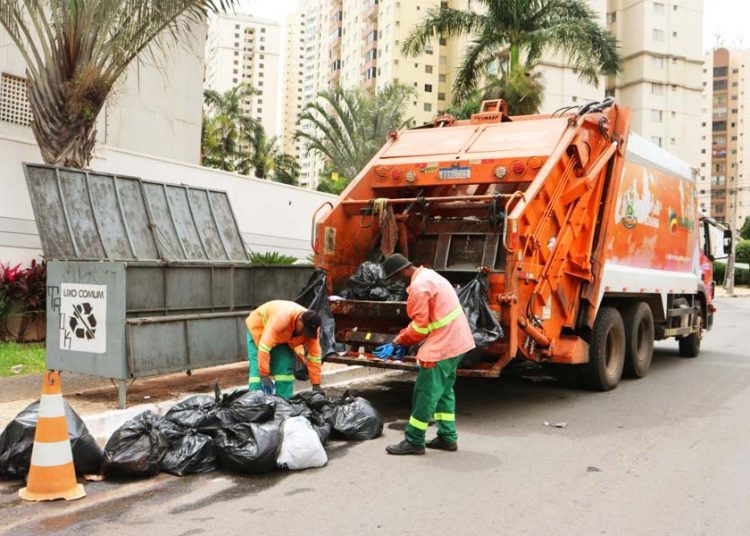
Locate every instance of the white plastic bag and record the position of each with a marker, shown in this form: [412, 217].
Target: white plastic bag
[300, 447]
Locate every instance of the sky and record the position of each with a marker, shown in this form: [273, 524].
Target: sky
[728, 18]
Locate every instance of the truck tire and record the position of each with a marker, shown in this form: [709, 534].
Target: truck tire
[690, 345]
[639, 338]
[607, 351]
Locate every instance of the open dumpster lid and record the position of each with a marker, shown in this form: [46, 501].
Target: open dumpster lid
[88, 215]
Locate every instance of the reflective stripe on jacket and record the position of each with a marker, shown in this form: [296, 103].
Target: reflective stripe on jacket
[273, 324]
[436, 315]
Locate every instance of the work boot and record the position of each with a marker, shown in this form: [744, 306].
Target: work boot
[442, 444]
[404, 448]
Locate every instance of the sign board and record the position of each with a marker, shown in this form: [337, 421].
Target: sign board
[83, 317]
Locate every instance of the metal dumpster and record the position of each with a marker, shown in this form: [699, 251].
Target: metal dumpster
[145, 278]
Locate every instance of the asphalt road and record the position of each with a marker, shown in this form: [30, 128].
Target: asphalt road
[667, 454]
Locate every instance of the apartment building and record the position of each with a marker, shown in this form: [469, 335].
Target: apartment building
[242, 48]
[294, 65]
[727, 181]
[661, 80]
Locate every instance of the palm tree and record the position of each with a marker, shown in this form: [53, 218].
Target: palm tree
[349, 125]
[506, 28]
[263, 151]
[286, 169]
[75, 51]
[225, 125]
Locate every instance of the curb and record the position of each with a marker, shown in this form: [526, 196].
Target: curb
[101, 425]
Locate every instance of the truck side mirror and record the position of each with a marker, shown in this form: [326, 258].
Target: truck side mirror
[728, 242]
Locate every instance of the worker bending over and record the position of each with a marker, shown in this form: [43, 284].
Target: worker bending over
[277, 331]
[436, 315]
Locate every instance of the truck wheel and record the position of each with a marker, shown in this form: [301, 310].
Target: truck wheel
[607, 351]
[690, 345]
[639, 339]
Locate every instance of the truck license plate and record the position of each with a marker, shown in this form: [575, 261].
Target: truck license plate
[455, 173]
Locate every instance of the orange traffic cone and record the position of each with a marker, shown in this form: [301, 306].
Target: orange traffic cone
[52, 474]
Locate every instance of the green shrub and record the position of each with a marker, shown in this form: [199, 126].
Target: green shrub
[742, 251]
[741, 275]
[271, 258]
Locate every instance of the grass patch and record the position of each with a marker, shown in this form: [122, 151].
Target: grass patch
[31, 355]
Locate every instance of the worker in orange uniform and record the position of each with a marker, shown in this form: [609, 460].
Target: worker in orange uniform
[438, 319]
[277, 332]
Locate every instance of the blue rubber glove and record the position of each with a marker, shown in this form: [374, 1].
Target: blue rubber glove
[399, 353]
[384, 351]
[267, 385]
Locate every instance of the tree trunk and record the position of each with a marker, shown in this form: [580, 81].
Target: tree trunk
[63, 140]
[515, 53]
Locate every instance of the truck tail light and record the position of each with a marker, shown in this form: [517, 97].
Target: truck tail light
[518, 167]
[395, 174]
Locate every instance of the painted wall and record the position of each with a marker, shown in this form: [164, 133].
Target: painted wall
[271, 216]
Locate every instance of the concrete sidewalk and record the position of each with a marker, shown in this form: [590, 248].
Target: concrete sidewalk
[95, 399]
[739, 292]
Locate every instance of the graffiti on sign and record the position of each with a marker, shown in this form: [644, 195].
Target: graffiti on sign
[83, 318]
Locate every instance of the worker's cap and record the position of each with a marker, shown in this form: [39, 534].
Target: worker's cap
[310, 324]
[394, 264]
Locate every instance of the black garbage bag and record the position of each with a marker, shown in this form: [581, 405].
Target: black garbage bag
[315, 400]
[289, 408]
[137, 447]
[354, 418]
[315, 297]
[239, 406]
[321, 427]
[367, 283]
[300, 370]
[189, 451]
[17, 442]
[485, 326]
[249, 448]
[196, 412]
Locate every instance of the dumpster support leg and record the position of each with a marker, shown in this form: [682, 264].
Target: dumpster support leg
[122, 393]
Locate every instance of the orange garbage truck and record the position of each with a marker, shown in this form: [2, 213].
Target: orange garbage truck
[588, 234]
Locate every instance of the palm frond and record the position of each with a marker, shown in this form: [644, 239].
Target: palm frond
[441, 23]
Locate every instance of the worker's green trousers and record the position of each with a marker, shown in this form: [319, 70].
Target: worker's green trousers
[282, 368]
[434, 399]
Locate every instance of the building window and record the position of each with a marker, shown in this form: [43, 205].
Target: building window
[656, 116]
[428, 88]
[427, 107]
[658, 8]
[442, 78]
[657, 35]
[429, 50]
[672, 141]
[657, 89]
[611, 17]
[658, 63]
[443, 41]
[428, 69]
[14, 105]
[656, 140]
[721, 71]
[443, 60]
[674, 34]
[441, 96]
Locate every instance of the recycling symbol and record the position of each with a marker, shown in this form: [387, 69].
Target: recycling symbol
[83, 321]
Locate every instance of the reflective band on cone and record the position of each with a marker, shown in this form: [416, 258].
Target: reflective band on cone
[52, 473]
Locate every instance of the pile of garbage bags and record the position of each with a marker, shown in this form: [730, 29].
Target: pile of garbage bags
[368, 283]
[243, 431]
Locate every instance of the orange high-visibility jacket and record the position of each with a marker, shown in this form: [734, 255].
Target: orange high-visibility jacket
[272, 324]
[436, 315]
